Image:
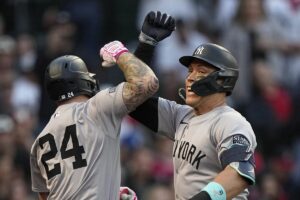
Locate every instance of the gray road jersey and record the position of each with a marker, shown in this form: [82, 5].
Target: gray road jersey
[81, 161]
[198, 143]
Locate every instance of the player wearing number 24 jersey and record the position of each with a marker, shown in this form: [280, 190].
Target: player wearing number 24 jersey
[77, 155]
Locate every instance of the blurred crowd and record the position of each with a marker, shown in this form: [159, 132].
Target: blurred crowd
[262, 34]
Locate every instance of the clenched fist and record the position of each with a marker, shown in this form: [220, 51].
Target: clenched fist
[156, 27]
[111, 52]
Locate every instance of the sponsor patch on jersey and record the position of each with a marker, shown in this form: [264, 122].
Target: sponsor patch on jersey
[112, 90]
[240, 139]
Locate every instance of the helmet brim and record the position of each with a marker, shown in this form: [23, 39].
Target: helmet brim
[186, 60]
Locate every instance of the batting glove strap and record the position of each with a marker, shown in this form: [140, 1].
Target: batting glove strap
[147, 39]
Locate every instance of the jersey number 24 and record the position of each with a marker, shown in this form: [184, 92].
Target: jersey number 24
[76, 151]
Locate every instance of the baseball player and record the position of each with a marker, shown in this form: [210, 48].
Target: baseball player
[213, 143]
[77, 155]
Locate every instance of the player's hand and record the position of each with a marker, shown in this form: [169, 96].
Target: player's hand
[111, 52]
[156, 27]
[127, 194]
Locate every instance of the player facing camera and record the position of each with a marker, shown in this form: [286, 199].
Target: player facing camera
[213, 143]
[225, 73]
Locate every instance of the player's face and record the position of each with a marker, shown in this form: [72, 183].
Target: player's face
[197, 70]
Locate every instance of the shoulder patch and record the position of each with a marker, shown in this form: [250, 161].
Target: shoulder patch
[240, 139]
[112, 90]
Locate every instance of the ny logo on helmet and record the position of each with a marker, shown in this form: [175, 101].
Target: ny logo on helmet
[199, 50]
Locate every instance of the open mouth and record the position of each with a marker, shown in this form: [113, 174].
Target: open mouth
[189, 89]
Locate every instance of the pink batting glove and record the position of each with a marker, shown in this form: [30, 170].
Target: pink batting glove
[127, 194]
[111, 52]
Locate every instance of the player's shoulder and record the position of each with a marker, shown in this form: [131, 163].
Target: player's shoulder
[233, 121]
[162, 102]
[230, 116]
[110, 89]
[106, 94]
[228, 112]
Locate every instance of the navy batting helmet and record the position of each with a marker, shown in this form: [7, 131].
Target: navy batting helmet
[220, 58]
[67, 76]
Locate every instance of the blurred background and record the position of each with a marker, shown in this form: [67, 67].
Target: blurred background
[264, 36]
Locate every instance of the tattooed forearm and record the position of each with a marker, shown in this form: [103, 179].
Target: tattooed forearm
[141, 81]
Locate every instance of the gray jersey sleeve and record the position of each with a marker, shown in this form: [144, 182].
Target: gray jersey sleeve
[38, 182]
[108, 106]
[170, 115]
[235, 143]
[234, 139]
[233, 130]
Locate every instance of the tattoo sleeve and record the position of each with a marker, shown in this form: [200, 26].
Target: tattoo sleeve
[141, 82]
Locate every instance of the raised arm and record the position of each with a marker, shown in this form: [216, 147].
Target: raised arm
[156, 27]
[141, 82]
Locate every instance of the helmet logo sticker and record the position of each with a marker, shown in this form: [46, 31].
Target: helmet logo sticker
[199, 51]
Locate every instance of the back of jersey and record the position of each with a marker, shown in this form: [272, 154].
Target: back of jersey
[77, 155]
